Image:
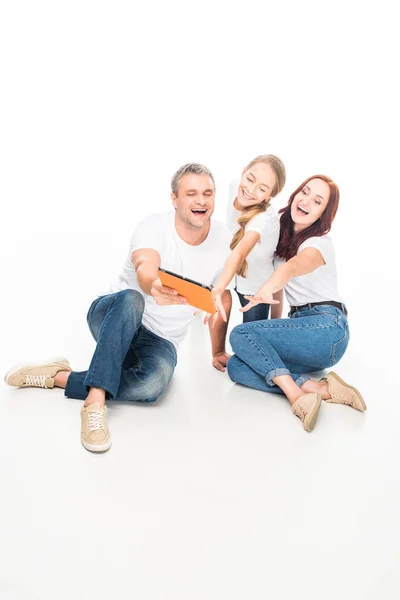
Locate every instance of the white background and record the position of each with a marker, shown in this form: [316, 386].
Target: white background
[216, 492]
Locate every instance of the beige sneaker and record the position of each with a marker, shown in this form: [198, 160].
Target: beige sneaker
[95, 435]
[306, 408]
[37, 374]
[343, 393]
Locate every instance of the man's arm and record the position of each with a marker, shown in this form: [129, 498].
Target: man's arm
[146, 262]
[218, 334]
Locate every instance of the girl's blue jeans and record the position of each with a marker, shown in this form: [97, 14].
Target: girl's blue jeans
[257, 313]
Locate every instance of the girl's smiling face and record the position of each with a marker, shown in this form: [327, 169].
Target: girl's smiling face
[256, 185]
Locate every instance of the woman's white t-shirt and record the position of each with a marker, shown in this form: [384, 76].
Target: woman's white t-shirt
[203, 263]
[319, 285]
[260, 259]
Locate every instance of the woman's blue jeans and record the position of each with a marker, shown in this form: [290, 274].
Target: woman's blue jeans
[130, 362]
[311, 340]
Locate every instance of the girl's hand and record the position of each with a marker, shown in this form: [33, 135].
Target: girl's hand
[263, 296]
[217, 297]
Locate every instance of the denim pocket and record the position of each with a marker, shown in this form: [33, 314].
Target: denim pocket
[326, 310]
[339, 347]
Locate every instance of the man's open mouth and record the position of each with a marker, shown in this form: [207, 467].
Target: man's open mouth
[199, 211]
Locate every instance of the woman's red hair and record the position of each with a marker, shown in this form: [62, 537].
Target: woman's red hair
[289, 241]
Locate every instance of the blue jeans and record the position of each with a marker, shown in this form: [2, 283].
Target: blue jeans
[130, 362]
[257, 313]
[311, 340]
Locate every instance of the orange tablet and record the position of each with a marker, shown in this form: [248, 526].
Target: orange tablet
[197, 294]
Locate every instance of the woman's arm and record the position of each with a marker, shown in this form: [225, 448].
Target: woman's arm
[307, 261]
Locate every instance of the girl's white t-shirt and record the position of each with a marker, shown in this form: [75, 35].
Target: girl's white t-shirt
[260, 259]
[319, 285]
[202, 263]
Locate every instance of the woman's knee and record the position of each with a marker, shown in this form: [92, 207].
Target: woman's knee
[231, 367]
[236, 336]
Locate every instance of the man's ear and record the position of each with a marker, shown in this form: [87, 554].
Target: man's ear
[173, 198]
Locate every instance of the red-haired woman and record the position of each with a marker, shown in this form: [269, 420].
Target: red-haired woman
[277, 354]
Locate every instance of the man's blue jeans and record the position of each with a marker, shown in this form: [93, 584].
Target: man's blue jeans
[311, 340]
[130, 362]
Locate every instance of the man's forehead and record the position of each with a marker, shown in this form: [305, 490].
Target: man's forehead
[196, 182]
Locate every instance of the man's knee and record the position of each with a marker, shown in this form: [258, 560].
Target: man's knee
[152, 386]
[130, 299]
[158, 384]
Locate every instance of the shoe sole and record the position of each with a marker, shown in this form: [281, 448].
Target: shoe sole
[340, 380]
[38, 364]
[96, 447]
[309, 426]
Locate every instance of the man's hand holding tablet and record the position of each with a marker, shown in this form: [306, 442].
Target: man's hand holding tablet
[166, 296]
[196, 294]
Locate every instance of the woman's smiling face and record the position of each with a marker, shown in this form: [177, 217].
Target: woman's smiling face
[309, 204]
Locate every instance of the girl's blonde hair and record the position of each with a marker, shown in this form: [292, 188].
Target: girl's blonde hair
[251, 211]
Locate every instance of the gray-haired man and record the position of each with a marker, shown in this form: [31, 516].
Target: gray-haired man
[139, 324]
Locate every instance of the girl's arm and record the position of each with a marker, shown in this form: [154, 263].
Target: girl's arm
[307, 261]
[232, 264]
[236, 257]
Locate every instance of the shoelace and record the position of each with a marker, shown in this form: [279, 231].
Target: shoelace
[95, 420]
[301, 411]
[36, 380]
[342, 399]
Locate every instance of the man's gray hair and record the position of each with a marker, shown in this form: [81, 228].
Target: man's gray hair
[189, 168]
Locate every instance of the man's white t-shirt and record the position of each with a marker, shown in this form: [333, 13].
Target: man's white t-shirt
[260, 259]
[318, 285]
[203, 263]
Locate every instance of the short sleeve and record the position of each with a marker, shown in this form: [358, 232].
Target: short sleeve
[149, 233]
[323, 244]
[264, 224]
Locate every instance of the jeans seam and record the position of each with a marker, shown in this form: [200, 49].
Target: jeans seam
[290, 326]
[334, 346]
[89, 314]
[266, 359]
[96, 354]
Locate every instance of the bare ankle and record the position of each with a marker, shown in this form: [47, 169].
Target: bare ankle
[96, 395]
[320, 387]
[61, 378]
